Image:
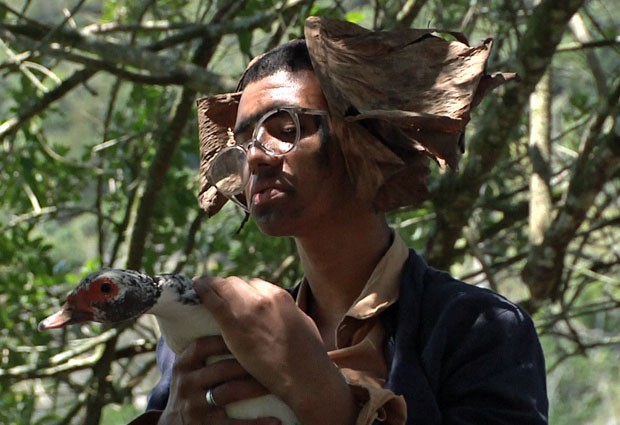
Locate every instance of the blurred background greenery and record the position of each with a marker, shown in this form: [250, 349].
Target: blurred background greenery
[99, 168]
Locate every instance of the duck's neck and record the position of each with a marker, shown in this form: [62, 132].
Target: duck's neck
[177, 294]
[180, 314]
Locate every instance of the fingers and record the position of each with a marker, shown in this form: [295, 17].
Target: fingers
[226, 377]
[195, 373]
[195, 363]
[220, 372]
[237, 390]
[195, 355]
[219, 294]
[265, 287]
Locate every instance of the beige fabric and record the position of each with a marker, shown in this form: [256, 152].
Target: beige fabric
[379, 404]
[396, 99]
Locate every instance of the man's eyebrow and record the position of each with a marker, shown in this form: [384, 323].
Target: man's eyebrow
[249, 121]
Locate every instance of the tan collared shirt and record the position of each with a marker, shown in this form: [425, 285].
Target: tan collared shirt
[360, 339]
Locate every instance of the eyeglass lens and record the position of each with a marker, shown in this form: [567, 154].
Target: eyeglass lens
[276, 133]
[229, 171]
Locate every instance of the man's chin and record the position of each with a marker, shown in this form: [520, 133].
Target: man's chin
[271, 221]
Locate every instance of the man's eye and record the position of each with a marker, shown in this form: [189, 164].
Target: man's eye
[288, 129]
[281, 126]
[286, 133]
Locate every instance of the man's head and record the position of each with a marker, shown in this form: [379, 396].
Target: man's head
[387, 111]
[291, 57]
[307, 188]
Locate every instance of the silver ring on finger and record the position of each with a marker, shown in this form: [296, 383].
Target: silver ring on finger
[209, 397]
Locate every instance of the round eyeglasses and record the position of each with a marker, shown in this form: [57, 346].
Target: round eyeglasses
[276, 133]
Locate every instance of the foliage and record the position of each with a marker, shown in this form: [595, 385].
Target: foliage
[99, 168]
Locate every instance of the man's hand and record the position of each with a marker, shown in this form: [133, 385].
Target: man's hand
[192, 376]
[280, 346]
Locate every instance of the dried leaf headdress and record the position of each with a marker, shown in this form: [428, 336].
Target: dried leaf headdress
[395, 99]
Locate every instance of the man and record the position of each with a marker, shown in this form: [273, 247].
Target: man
[412, 344]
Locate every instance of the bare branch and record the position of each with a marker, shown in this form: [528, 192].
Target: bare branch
[190, 240]
[454, 196]
[597, 163]
[116, 54]
[13, 124]
[540, 156]
[582, 34]
[571, 47]
[167, 145]
[409, 12]
[73, 360]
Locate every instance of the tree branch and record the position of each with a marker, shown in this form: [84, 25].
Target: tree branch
[455, 195]
[161, 69]
[10, 126]
[409, 12]
[68, 362]
[599, 160]
[145, 59]
[541, 205]
[571, 47]
[167, 144]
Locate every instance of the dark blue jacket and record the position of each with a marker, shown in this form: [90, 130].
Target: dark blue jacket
[458, 354]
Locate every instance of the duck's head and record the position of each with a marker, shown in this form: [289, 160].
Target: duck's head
[108, 296]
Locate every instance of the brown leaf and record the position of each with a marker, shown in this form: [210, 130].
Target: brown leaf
[408, 89]
[395, 99]
[216, 116]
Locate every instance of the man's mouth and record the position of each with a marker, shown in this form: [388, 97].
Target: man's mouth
[266, 195]
[266, 191]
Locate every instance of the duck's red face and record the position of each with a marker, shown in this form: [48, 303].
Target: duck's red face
[108, 296]
[81, 304]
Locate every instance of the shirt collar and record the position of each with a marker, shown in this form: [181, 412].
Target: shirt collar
[381, 289]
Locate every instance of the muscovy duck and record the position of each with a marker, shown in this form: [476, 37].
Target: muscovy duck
[115, 295]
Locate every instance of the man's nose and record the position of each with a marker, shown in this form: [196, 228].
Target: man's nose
[258, 159]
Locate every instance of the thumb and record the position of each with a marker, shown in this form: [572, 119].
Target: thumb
[206, 288]
[220, 295]
[201, 285]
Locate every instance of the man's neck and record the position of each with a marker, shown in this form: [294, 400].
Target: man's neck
[337, 264]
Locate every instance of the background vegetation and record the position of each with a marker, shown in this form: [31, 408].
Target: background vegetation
[99, 157]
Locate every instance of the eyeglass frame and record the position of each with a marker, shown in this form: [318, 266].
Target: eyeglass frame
[294, 111]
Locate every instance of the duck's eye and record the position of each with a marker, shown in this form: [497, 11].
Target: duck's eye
[106, 288]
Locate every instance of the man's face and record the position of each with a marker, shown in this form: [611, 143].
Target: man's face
[307, 188]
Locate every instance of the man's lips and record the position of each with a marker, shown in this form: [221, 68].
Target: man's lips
[266, 196]
[265, 191]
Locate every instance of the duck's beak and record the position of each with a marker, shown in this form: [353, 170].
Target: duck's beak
[66, 316]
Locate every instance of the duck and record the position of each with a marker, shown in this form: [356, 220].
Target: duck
[116, 295]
